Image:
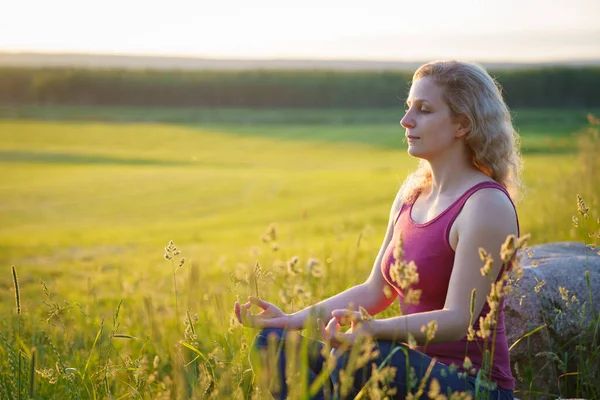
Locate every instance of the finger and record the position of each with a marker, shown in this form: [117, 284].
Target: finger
[236, 310]
[249, 318]
[332, 328]
[258, 302]
[346, 317]
[246, 306]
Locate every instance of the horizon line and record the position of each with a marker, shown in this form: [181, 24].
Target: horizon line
[300, 58]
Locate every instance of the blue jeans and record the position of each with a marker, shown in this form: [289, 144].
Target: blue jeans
[449, 379]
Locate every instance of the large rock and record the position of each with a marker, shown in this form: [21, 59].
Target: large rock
[559, 265]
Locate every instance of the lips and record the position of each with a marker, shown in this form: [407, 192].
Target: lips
[412, 137]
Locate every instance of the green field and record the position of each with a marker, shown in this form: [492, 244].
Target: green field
[88, 206]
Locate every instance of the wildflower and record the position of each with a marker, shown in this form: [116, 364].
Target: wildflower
[412, 296]
[487, 267]
[364, 314]
[573, 299]
[471, 334]
[387, 291]
[575, 221]
[467, 364]
[169, 250]
[404, 274]
[398, 251]
[581, 207]
[317, 271]
[461, 396]
[564, 293]
[172, 251]
[49, 374]
[516, 274]
[429, 330]
[539, 285]
[434, 389]
[508, 249]
[522, 241]
[485, 327]
[291, 264]
[378, 388]
[367, 351]
[483, 255]
[314, 267]
[298, 290]
[346, 382]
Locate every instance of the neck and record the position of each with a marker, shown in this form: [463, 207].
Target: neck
[448, 172]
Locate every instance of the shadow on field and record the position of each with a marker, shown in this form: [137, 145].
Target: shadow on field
[543, 131]
[66, 158]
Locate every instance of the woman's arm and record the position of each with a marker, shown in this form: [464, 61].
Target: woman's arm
[370, 295]
[487, 219]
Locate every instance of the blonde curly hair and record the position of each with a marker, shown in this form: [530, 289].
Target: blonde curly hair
[472, 93]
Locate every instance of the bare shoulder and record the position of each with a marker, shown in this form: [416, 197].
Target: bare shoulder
[398, 201]
[489, 208]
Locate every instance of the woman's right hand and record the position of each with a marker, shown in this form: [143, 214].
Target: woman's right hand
[270, 316]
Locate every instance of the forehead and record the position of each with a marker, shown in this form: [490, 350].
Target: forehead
[426, 89]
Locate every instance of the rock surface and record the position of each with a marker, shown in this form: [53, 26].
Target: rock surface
[533, 304]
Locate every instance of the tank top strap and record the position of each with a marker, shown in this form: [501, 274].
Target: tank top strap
[460, 202]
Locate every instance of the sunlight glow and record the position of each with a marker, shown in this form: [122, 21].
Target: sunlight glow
[384, 30]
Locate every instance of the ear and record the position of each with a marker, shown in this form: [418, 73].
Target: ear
[463, 126]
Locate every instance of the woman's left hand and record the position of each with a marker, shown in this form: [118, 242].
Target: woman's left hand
[358, 327]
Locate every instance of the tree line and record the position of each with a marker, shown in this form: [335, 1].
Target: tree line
[530, 88]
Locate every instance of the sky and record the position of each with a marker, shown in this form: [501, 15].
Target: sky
[493, 30]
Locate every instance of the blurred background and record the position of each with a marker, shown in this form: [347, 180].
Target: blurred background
[124, 125]
[251, 134]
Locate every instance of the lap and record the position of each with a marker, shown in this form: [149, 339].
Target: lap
[408, 366]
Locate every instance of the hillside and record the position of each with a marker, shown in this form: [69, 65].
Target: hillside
[108, 61]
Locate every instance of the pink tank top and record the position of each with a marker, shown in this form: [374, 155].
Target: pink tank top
[429, 247]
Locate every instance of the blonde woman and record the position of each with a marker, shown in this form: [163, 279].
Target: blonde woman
[459, 199]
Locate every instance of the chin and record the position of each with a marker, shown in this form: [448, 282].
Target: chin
[414, 152]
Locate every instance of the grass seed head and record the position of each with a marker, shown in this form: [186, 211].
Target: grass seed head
[429, 330]
[540, 284]
[487, 266]
[582, 207]
[17, 293]
[508, 249]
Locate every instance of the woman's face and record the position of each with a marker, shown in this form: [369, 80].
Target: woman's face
[430, 128]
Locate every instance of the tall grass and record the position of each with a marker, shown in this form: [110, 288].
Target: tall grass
[188, 345]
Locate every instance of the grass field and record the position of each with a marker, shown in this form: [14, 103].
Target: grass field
[88, 206]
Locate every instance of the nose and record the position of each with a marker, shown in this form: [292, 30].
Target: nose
[407, 121]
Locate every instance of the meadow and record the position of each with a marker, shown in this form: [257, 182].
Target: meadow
[90, 197]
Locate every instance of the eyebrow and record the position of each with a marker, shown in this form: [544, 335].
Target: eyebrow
[417, 101]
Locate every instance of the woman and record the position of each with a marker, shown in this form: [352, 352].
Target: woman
[458, 201]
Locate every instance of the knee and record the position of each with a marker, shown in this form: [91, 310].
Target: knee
[261, 340]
